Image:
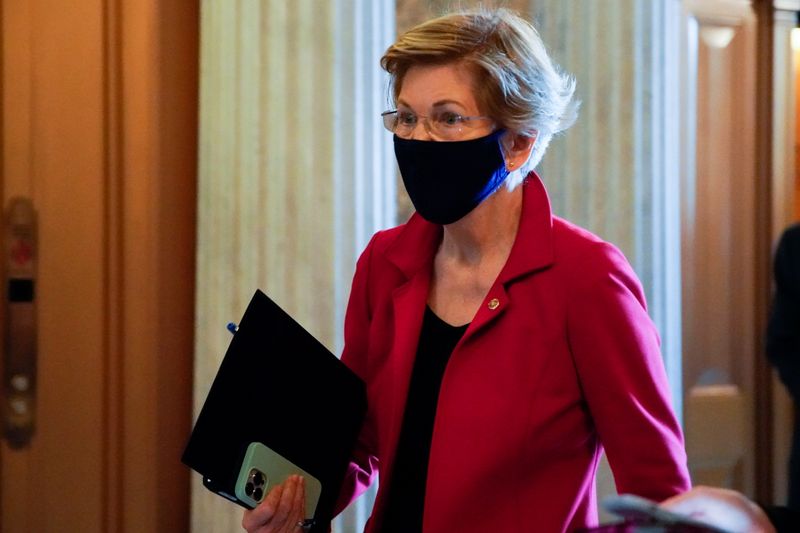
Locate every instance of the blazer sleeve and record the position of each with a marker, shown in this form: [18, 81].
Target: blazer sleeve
[617, 354]
[783, 328]
[363, 467]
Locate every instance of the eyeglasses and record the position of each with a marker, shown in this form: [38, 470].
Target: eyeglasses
[443, 126]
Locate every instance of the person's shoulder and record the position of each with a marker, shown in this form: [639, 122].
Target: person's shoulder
[791, 235]
[379, 243]
[573, 234]
[787, 252]
[576, 245]
[383, 239]
[585, 261]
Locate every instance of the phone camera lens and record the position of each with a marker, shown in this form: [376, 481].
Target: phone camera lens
[248, 489]
[258, 479]
[257, 494]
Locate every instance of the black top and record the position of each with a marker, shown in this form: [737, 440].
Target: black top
[404, 507]
[784, 520]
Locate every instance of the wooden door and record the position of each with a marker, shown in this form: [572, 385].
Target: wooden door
[783, 198]
[51, 129]
[719, 261]
[98, 130]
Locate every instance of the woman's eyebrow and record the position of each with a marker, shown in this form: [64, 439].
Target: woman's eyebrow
[438, 103]
[447, 102]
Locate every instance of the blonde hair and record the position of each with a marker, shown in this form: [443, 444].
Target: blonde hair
[517, 83]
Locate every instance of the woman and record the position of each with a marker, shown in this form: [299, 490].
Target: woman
[502, 347]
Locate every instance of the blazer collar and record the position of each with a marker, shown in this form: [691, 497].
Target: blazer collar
[416, 245]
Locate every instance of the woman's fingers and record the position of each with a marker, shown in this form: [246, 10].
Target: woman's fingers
[264, 513]
[300, 495]
[281, 511]
[291, 508]
[285, 507]
[299, 505]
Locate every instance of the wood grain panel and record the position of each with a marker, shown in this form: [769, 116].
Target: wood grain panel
[784, 196]
[57, 163]
[99, 129]
[718, 256]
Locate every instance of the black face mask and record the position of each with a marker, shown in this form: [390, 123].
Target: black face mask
[447, 180]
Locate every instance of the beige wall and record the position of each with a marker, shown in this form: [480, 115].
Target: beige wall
[295, 174]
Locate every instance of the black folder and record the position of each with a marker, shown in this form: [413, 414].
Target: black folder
[279, 386]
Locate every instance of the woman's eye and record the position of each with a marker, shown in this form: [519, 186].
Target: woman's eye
[406, 118]
[449, 119]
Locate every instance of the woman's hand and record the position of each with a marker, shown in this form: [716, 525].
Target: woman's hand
[722, 508]
[282, 511]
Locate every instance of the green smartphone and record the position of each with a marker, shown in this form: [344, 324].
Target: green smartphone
[264, 468]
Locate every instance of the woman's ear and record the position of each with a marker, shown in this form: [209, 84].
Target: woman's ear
[517, 149]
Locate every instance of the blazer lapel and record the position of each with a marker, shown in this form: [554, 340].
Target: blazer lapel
[493, 306]
[412, 253]
[532, 251]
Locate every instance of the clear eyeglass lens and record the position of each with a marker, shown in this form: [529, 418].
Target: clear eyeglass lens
[445, 125]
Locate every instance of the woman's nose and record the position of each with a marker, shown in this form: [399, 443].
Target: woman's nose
[421, 131]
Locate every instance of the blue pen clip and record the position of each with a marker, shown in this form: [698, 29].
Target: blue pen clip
[232, 327]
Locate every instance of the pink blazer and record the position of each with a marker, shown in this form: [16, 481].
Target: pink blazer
[560, 362]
